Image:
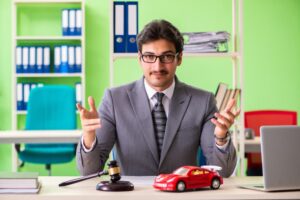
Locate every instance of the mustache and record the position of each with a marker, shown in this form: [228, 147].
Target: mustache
[163, 72]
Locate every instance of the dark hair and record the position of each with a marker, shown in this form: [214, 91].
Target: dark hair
[160, 29]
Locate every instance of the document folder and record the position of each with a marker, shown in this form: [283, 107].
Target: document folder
[71, 59]
[20, 96]
[64, 59]
[78, 59]
[26, 91]
[72, 22]
[46, 60]
[32, 59]
[78, 26]
[131, 26]
[19, 60]
[65, 22]
[119, 27]
[39, 59]
[57, 59]
[25, 59]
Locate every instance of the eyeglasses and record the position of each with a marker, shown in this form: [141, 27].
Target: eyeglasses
[165, 58]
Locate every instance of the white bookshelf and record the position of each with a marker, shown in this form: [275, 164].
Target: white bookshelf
[237, 69]
[43, 39]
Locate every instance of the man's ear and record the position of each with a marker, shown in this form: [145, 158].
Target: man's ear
[140, 57]
[179, 59]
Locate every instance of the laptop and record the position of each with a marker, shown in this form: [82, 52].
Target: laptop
[280, 148]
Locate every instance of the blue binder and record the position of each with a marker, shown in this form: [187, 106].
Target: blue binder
[72, 22]
[46, 60]
[78, 59]
[26, 92]
[71, 59]
[78, 26]
[19, 67]
[20, 96]
[25, 59]
[64, 59]
[32, 59]
[131, 24]
[65, 22]
[39, 59]
[57, 59]
[119, 27]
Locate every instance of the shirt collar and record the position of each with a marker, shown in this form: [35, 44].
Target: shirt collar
[151, 92]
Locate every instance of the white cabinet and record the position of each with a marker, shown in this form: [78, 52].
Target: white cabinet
[38, 23]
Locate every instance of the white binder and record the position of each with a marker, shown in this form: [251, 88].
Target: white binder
[57, 59]
[46, 59]
[64, 59]
[78, 89]
[32, 59]
[39, 59]
[72, 21]
[78, 59]
[25, 57]
[26, 90]
[78, 26]
[71, 59]
[19, 59]
[65, 22]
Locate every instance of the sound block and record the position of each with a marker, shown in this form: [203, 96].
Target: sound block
[117, 186]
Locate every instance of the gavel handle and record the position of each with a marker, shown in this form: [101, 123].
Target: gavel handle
[76, 180]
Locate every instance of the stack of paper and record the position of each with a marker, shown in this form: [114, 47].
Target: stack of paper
[200, 42]
[19, 182]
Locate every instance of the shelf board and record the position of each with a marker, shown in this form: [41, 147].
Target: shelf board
[215, 55]
[44, 75]
[49, 38]
[24, 112]
[47, 1]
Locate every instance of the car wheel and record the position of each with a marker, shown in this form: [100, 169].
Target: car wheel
[180, 186]
[215, 184]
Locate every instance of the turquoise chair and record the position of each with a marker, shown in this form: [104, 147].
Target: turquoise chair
[49, 108]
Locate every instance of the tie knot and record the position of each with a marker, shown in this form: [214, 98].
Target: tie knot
[159, 96]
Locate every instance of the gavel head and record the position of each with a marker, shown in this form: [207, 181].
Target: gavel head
[114, 171]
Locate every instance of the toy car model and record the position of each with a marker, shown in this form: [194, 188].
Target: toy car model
[189, 178]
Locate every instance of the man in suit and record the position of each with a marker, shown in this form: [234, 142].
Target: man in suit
[156, 133]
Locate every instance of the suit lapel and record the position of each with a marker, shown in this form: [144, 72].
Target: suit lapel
[141, 107]
[178, 107]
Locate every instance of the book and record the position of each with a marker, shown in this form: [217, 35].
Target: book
[21, 190]
[220, 94]
[19, 180]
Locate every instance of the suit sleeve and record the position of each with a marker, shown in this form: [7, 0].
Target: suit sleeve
[214, 156]
[94, 161]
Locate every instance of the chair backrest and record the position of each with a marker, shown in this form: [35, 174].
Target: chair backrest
[256, 119]
[51, 108]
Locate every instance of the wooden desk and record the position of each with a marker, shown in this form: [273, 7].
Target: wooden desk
[144, 190]
[53, 136]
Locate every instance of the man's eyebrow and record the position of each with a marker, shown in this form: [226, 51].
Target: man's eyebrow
[165, 52]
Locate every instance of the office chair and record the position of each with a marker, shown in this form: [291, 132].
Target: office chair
[258, 118]
[49, 108]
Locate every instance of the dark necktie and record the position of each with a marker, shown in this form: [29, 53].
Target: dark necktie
[159, 120]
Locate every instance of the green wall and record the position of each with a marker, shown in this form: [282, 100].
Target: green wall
[271, 60]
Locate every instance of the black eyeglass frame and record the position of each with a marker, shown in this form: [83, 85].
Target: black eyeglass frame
[160, 57]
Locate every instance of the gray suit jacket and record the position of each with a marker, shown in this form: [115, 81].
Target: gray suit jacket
[127, 123]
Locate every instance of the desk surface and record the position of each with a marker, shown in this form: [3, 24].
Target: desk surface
[144, 190]
[56, 136]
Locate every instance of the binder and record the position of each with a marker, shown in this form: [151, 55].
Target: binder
[64, 59]
[131, 24]
[78, 59]
[26, 91]
[71, 59]
[119, 27]
[32, 86]
[65, 22]
[57, 59]
[25, 57]
[39, 59]
[78, 26]
[46, 59]
[78, 90]
[19, 59]
[72, 21]
[32, 59]
[20, 96]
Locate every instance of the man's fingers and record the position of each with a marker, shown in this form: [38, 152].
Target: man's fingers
[92, 104]
[230, 105]
[92, 127]
[218, 124]
[91, 122]
[79, 107]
